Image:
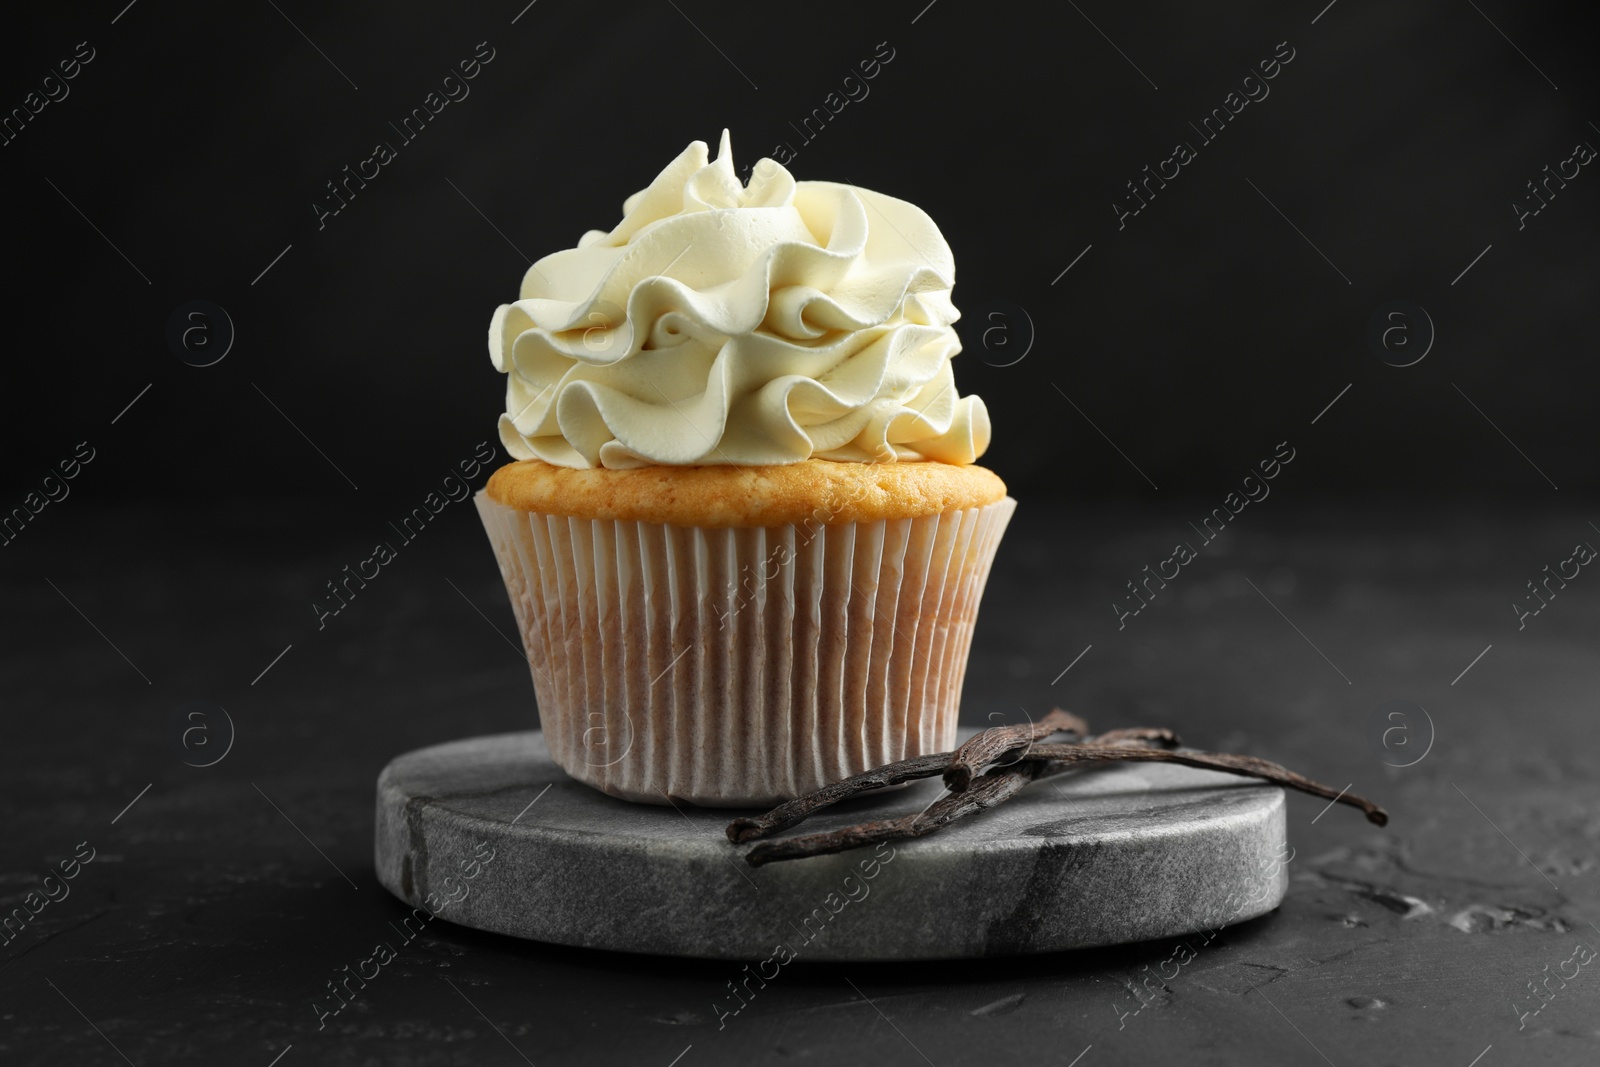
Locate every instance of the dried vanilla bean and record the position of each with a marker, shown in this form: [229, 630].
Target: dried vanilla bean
[987, 790]
[972, 792]
[980, 750]
[1135, 735]
[1250, 766]
[785, 815]
[985, 747]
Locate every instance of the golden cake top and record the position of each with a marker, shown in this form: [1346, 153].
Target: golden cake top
[816, 491]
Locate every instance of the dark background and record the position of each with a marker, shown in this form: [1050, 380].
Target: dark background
[181, 570]
[1196, 338]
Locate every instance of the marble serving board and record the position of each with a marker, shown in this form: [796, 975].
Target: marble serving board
[488, 832]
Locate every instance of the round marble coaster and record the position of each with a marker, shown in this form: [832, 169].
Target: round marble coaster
[489, 833]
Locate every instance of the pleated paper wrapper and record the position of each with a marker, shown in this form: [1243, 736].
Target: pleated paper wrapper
[742, 667]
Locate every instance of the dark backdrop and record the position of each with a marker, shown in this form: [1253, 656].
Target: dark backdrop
[1215, 323]
[186, 569]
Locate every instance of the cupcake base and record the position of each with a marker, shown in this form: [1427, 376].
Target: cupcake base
[743, 666]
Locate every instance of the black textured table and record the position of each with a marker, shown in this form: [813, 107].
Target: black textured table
[212, 908]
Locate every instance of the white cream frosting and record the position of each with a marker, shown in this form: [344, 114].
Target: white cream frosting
[723, 323]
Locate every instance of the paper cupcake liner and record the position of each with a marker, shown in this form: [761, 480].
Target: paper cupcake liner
[738, 667]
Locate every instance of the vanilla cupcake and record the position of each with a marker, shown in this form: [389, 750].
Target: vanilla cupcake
[745, 539]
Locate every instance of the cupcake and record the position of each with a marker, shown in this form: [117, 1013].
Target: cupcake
[744, 536]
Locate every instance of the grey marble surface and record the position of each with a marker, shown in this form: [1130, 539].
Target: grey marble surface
[489, 833]
[222, 903]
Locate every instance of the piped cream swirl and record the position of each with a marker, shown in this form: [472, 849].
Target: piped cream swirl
[751, 325]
